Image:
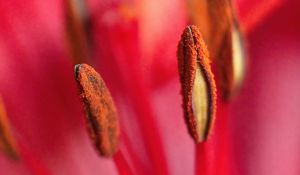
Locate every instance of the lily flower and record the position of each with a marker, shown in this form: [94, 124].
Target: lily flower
[133, 47]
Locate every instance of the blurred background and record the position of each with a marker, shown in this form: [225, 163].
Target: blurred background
[133, 46]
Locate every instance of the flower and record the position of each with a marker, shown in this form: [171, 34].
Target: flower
[133, 46]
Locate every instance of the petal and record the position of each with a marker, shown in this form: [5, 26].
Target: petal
[253, 13]
[39, 91]
[266, 116]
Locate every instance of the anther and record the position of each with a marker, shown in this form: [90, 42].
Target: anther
[198, 86]
[100, 111]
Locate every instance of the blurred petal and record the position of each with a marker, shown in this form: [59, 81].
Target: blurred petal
[37, 83]
[161, 24]
[253, 13]
[266, 116]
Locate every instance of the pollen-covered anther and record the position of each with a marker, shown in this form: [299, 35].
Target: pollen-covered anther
[101, 114]
[198, 86]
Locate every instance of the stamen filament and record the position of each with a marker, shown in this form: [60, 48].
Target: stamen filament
[137, 91]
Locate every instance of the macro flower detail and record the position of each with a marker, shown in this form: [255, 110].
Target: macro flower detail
[101, 114]
[198, 86]
[133, 47]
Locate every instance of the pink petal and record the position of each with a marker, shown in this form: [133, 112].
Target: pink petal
[39, 91]
[266, 115]
[252, 13]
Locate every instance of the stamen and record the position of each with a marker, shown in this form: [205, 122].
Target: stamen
[122, 164]
[198, 86]
[216, 20]
[7, 141]
[77, 30]
[239, 58]
[213, 17]
[101, 114]
[231, 62]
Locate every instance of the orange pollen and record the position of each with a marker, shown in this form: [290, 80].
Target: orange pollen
[101, 115]
[198, 87]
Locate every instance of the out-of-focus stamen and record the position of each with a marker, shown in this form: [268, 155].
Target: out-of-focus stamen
[7, 141]
[231, 63]
[77, 25]
[217, 22]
